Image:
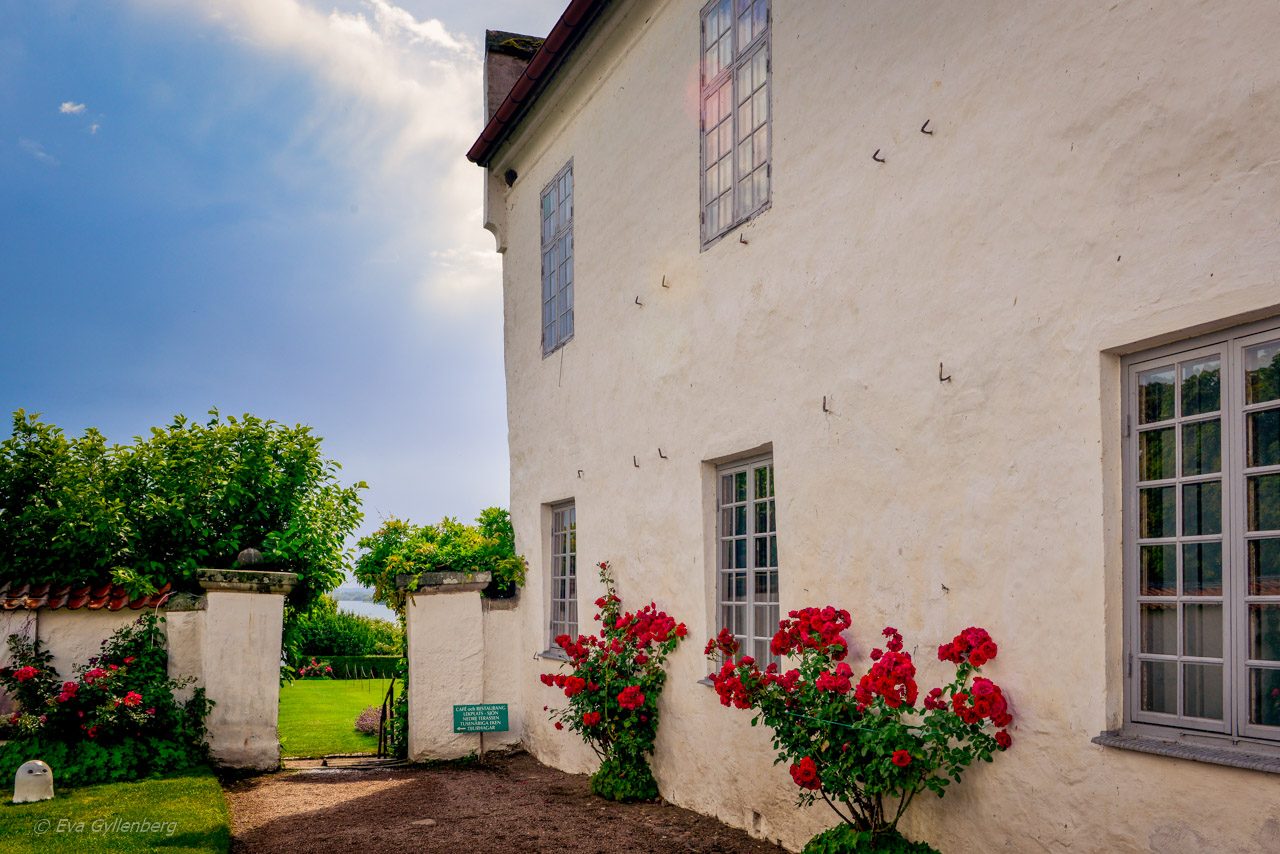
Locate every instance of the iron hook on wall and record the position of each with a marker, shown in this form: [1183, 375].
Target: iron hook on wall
[877, 158]
[639, 303]
[923, 128]
[662, 455]
[634, 461]
[941, 378]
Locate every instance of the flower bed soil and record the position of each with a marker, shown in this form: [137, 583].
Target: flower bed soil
[508, 803]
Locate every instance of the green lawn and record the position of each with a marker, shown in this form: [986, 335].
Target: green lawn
[180, 813]
[318, 716]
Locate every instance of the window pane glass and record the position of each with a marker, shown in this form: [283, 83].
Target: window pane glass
[740, 486]
[1264, 632]
[762, 516]
[1156, 454]
[1264, 502]
[762, 483]
[1200, 391]
[726, 490]
[1264, 696]
[1202, 447]
[1264, 567]
[1159, 687]
[1262, 372]
[1159, 629]
[1157, 512]
[1202, 569]
[762, 551]
[1202, 691]
[740, 520]
[1202, 508]
[1159, 570]
[1202, 630]
[740, 554]
[1155, 395]
[1263, 439]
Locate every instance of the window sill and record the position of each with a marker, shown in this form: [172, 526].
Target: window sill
[1229, 756]
[705, 681]
[552, 655]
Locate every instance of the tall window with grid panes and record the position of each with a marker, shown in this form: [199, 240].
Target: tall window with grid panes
[557, 260]
[747, 534]
[564, 572]
[1202, 500]
[735, 114]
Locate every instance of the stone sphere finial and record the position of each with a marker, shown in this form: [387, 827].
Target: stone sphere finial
[248, 557]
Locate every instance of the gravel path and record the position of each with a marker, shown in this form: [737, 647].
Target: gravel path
[510, 803]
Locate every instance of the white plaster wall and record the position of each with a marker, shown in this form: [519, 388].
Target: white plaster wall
[1102, 176]
[503, 672]
[76, 636]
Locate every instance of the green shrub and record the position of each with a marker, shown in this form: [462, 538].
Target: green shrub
[843, 839]
[188, 496]
[325, 631]
[118, 719]
[364, 666]
[400, 547]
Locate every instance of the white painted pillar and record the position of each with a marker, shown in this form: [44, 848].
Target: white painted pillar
[445, 627]
[243, 619]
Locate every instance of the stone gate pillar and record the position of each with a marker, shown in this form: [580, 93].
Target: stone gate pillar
[446, 660]
[244, 616]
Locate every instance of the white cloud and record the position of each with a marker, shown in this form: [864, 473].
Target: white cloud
[71, 108]
[36, 150]
[93, 128]
[400, 103]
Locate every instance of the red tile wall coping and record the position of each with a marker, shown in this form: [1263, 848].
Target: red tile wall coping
[93, 597]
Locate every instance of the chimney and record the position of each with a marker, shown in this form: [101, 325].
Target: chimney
[505, 57]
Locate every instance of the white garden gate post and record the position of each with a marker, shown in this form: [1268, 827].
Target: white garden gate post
[445, 638]
[244, 617]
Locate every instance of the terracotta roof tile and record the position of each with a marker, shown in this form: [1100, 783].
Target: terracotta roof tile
[31, 597]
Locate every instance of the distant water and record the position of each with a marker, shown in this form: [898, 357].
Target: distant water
[367, 609]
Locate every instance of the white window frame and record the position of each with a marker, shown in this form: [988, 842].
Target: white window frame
[727, 61]
[563, 573]
[555, 219]
[1235, 730]
[749, 612]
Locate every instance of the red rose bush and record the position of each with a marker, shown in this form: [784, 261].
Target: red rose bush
[613, 689]
[866, 744]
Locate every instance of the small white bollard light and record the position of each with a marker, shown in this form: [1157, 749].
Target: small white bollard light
[33, 782]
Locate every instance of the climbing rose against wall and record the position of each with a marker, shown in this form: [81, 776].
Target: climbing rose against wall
[866, 745]
[613, 689]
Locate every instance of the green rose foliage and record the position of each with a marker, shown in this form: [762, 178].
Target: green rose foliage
[120, 718]
[188, 496]
[865, 745]
[613, 688]
[400, 547]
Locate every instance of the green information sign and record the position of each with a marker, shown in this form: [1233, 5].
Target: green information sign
[481, 717]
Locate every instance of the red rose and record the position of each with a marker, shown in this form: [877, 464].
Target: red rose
[681, 630]
[22, 674]
[129, 659]
[559, 725]
[133, 698]
[1003, 739]
[631, 697]
[805, 774]
[591, 718]
[901, 758]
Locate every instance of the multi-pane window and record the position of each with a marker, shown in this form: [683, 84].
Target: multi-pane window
[735, 113]
[1203, 534]
[557, 260]
[564, 571]
[747, 583]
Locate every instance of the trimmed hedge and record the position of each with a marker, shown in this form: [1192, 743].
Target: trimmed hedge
[363, 666]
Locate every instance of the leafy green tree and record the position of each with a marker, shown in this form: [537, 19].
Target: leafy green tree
[188, 496]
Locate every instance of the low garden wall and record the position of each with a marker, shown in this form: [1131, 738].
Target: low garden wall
[228, 639]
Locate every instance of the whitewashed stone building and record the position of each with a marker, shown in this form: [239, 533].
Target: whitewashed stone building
[948, 313]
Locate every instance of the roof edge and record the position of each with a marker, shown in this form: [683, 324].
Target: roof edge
[567, 33]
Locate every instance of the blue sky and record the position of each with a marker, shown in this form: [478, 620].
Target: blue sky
[260, 206]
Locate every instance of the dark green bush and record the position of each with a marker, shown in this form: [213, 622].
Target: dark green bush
[364, 666]
[843, 839]
[325, 631]
[117, 719]
[188, 496]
